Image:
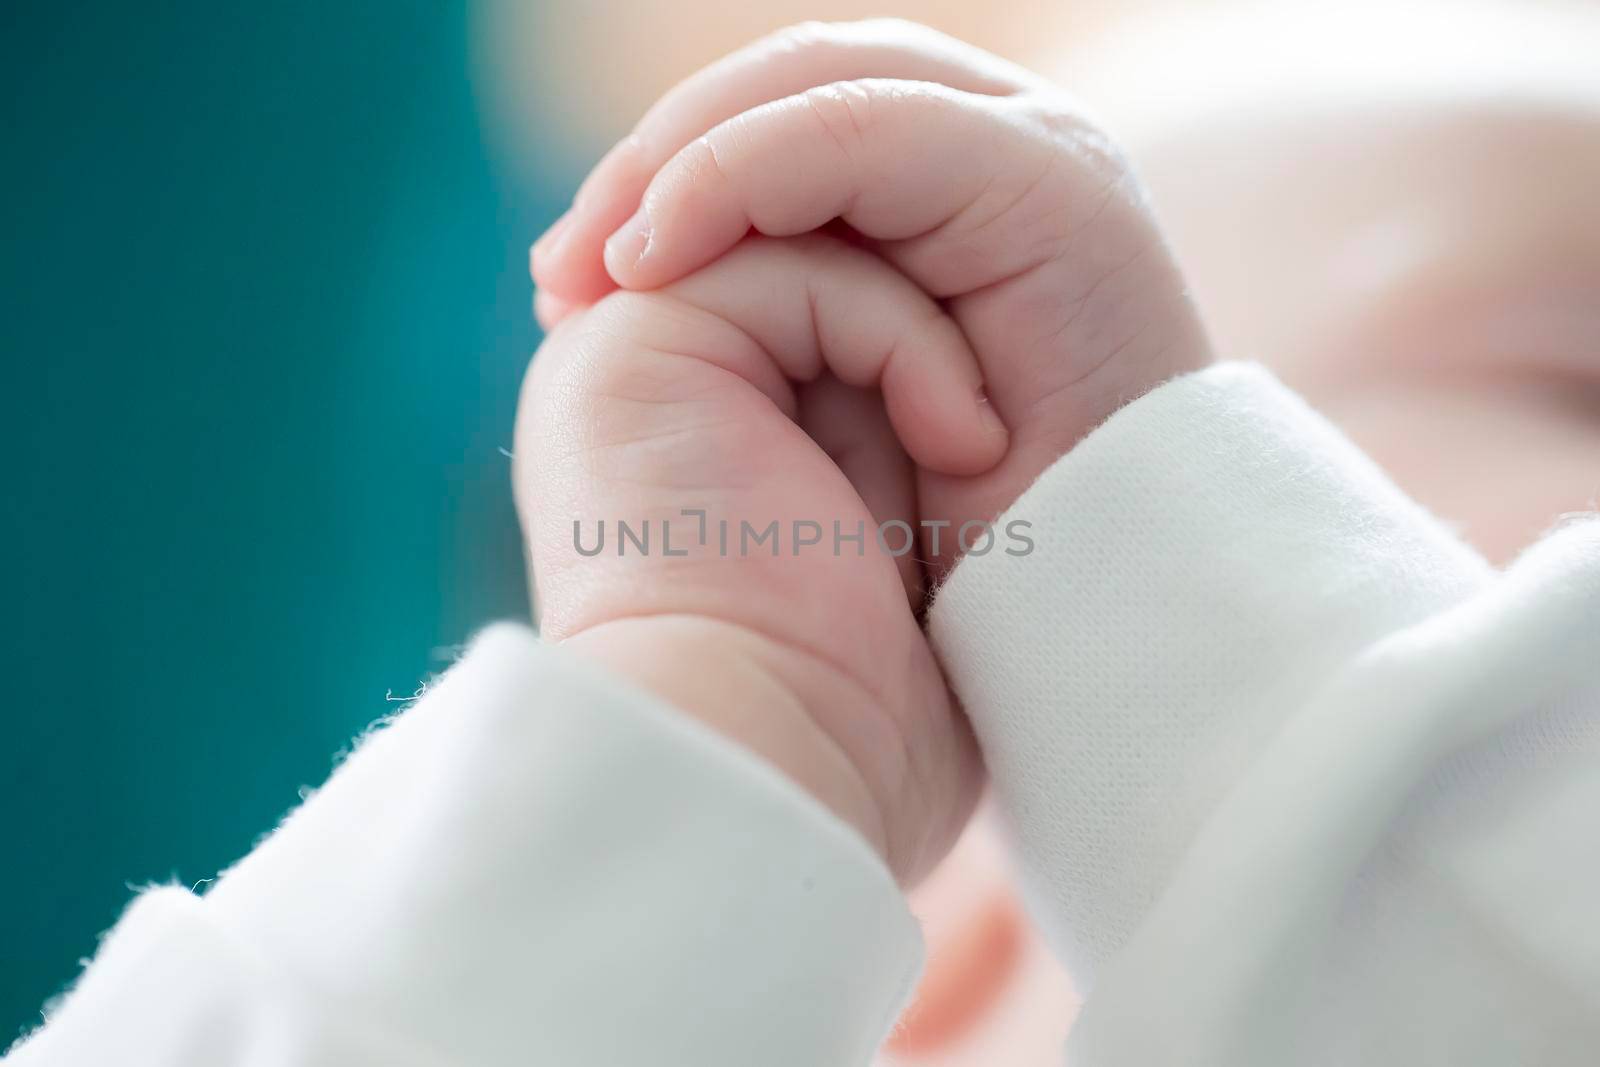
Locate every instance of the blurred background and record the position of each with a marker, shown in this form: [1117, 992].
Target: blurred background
[267, 310]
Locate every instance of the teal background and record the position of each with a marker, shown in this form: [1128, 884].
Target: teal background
[265, 313]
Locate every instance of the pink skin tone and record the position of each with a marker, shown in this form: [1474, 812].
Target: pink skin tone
[744, 389]
[987, 288]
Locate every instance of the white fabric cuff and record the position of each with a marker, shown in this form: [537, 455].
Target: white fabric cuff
[536, 863]
[1203, 560]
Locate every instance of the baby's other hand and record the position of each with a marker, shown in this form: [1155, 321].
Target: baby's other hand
[981, 183]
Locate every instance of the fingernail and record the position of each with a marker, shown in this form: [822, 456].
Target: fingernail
[989, 417]
[627, 248]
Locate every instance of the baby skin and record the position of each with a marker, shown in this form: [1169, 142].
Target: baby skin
[848, 276]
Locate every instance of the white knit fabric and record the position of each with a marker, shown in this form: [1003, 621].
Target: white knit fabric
[1296, 778]
[1206, 561]
[1294, 775]
[534, 865]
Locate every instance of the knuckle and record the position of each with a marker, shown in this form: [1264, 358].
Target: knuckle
[1076, 135]
[1085, 182]
[580, 362]
[844, 111]
[639, 348]
[702, 159]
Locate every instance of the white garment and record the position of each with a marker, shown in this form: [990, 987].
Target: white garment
[1295, 776]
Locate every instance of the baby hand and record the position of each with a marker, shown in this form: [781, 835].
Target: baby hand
[733, 420]
[988, 189]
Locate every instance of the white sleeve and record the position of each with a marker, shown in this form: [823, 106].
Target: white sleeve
[533, 864]
[1294, 776]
